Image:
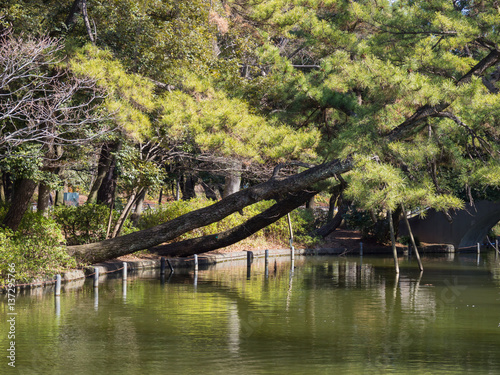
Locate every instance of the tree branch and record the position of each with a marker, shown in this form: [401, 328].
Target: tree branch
[219, 240]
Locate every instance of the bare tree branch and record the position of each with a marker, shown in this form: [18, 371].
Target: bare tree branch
[41, 104]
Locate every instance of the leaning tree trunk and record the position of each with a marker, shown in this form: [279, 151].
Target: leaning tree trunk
[139, 204]
[219, 240]
[408, 226]
[21, 199]
[271, 189]
[126, 211]
[333, 224]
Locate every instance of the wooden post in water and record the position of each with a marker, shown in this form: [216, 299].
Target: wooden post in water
[124, 289]
[496, 248]
[478, 248]
[249, 264]
[361, 248]
[266, 263]
[170, 265]
[249, 258]
[195, 262]
[417, 255]
[292, 250]
[393, 241]
[58, 285]
[58, 305]
[124, 274]
[162, 266]
[96, 277]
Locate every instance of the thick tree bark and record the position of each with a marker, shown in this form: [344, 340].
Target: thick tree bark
[21, 199]
[216, 241]
[106, 192]
[271, 189]
[188, 191]
[43, 198]
[139, 204]
[105, 159]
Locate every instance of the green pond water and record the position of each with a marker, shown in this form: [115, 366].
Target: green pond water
[329, 315]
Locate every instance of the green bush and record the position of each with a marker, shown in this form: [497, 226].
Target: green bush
[37, 249]
[87, 223]
[302, 220]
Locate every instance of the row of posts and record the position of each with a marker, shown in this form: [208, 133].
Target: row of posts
[164, 262]
[96, 278]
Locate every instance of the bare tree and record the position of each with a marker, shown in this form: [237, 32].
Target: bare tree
[39, 103]
[44, 106]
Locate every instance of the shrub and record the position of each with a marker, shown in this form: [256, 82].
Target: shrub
[87, 223]
[36, 248]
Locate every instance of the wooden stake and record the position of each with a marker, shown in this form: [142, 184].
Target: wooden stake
[420, 266]
[393, 241]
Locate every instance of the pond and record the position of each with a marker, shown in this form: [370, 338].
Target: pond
[326, 315]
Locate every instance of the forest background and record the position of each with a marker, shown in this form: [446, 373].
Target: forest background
[374, 107]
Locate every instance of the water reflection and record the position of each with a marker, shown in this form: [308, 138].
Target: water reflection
[319, 315]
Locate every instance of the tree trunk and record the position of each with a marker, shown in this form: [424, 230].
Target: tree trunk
[393, 241]
[178, 188]
[233, 179]
[105, 159]
[333, 224]
[43, 198]
[7, 187]
[271, 189]
[80, 6]
[106, 192]
[331, 207]
[209, 192]
[3, 196]
[139, 205]
[310, 204]
[21, 200]
[188, 191]
[405, 216]
[59, 201]
[396, 217]
[126, 211]
[216, 241]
